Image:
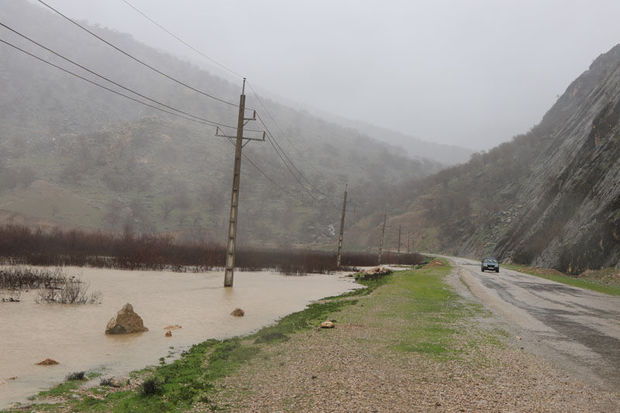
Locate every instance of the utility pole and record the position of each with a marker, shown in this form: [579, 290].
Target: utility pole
[398, 240]
[344, 209]
[234, 201]
[382, 236]
[408, 239]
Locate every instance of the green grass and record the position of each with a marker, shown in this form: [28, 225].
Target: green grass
[61, 389]
[429, 312]
[600, 281]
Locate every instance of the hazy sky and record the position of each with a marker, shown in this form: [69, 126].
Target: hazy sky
[467, 72]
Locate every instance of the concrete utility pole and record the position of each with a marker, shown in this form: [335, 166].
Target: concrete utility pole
[398, 240]
[382, 236]
[234, 201]
[408, 239]
[344, 210]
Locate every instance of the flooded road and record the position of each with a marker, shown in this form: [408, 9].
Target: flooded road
[74, 335]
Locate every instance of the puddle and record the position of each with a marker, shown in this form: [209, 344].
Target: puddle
[74, 335]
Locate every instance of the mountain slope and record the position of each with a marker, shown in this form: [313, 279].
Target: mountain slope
[551, 197]
[77, 156]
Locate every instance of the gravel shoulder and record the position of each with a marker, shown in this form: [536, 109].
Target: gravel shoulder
[376, 361]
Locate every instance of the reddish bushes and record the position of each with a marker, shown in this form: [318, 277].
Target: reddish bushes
[22, 245]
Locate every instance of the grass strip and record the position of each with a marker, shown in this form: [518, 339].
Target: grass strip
[426, 311]
[601, 281]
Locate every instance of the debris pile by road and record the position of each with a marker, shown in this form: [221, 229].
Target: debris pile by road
[373, 273]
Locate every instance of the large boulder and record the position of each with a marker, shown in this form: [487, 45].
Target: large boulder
[126, 321]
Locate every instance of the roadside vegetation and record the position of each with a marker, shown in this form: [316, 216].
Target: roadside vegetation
[22, 245]
[605, 280]
[425, 310]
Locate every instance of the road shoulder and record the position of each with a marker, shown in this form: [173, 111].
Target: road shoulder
[381, 358]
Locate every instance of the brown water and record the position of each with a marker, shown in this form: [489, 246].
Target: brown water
[74, 335]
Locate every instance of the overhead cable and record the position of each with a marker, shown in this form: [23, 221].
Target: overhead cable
[214, 123]
[140, 61]
[209, 58]
[102, 86]
[279, 150]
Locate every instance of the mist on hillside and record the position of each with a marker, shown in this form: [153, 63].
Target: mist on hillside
[372, 114]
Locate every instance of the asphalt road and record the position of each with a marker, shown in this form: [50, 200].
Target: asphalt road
[576, 329]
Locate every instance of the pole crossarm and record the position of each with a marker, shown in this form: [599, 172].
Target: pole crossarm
[218, 133]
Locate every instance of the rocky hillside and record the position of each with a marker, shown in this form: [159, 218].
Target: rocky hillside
[74, 155]
[550, 197]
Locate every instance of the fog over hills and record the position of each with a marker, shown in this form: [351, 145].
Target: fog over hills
[414, 147]
[78, 156]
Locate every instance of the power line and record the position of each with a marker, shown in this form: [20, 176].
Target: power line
[289, 168]
[212, 60]
[287, 161]
[271, 180]
[279, 150]
[264, 106]
[269, 133]
[154, 69]
[213, 123]
[102, 86]
[260, 170]
[263, 173]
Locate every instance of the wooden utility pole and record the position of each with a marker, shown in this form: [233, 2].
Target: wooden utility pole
[398, 240]
[382, 236]
[344, 210]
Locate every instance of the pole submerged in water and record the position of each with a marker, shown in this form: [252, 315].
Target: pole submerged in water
[234, 201]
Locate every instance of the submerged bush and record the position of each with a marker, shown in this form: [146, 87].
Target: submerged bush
[70, 291]
[24, 278]
[54, 286]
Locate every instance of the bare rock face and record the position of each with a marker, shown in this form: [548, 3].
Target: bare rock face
[126, 321]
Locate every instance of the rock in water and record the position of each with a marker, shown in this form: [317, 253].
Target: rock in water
[47, 362]
[327, 324]
[126, 321]
[237, 312]
[168, 333]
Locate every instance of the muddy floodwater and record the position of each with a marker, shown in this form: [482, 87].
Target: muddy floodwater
[74, 335]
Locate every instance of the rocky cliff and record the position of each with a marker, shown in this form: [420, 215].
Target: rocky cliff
[550, 197]
[570, 217]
